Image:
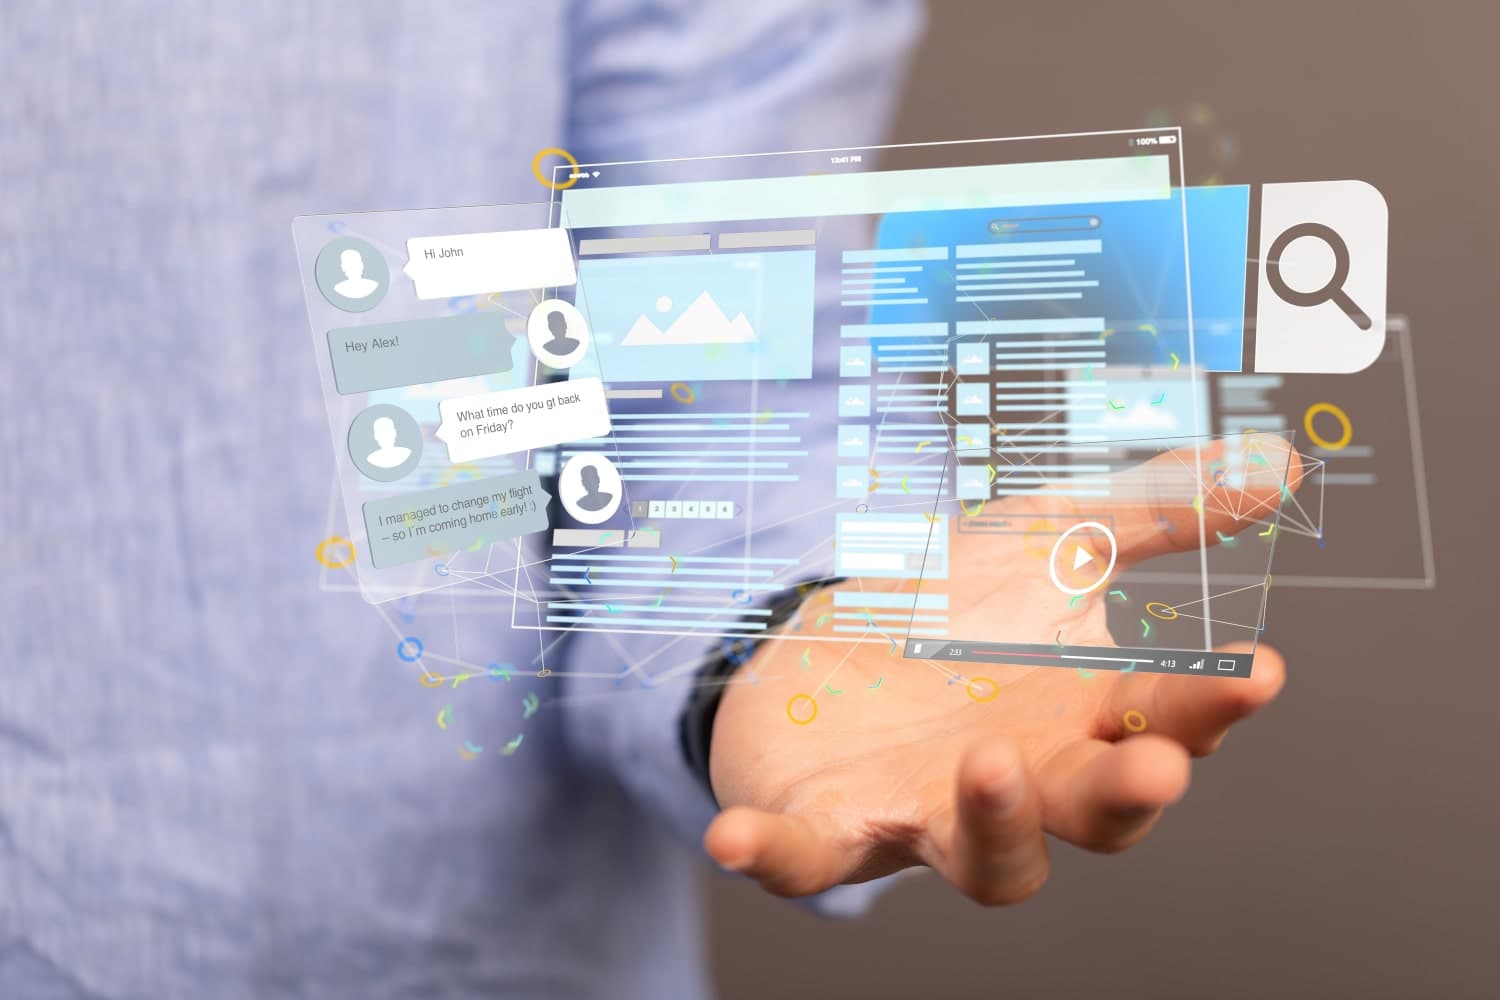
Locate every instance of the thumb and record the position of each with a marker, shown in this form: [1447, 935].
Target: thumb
[787, 855]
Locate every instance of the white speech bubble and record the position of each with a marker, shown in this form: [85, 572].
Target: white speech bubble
[443, 267]
[512, 420]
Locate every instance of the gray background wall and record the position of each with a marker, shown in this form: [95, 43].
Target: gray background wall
[1344, 843]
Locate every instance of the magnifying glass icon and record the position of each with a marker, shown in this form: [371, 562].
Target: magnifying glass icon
[1332, 290]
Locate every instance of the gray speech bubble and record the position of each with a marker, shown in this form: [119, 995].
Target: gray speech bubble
[418, 525]
[391, 355]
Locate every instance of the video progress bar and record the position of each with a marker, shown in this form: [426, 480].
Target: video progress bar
[1124, 659]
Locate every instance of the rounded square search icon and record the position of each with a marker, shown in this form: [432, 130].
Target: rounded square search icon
[1321, 301]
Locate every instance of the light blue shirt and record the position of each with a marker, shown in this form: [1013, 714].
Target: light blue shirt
[215, 779]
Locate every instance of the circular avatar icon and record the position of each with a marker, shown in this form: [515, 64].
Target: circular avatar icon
[590, 488]
[385, 442]
[557, 334]
[352, 274]
[1075, 565]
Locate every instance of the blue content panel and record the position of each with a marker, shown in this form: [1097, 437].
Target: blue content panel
[1218, 237]
[1122, 266]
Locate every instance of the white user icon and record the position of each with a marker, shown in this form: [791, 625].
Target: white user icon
[355, 285]
[389, 454]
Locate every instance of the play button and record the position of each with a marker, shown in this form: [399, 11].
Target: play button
[1087, 542]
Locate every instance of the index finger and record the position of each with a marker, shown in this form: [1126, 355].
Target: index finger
[1189, 497]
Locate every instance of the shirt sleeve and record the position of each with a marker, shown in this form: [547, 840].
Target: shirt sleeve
[677, 78]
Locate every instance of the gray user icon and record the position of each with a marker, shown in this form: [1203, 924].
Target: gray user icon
[561, 344]
[385, 443]
[352, 274]
[593, 498]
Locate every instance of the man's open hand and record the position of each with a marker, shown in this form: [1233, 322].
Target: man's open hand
[903, 768]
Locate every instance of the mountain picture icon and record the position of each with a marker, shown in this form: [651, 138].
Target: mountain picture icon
[703, 322]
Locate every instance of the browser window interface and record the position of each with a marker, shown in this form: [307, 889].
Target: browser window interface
[802, 353]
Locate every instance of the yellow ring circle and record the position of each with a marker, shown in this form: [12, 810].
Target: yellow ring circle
[691, 395]
[1158, 614]
[536, 168]
[437, 682]
[322, 552]
[1139, 727]
[1340, 415]
[810, 700]
[976, 697]
[474, 472]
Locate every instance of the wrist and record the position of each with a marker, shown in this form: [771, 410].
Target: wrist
[718, 670]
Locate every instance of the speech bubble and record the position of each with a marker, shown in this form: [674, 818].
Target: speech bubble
[418, 525]
[414, 351]
[443, 267]
[511, 420]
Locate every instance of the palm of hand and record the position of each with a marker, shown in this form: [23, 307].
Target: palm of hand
[878, 760]
[843, 762]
